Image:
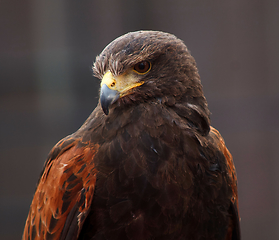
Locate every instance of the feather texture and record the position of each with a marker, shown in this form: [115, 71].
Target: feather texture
[153, 168]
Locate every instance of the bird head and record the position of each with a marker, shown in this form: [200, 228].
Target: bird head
[147, 65]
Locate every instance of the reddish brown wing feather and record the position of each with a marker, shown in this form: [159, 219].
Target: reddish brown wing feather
[64, 193]
[233, 229]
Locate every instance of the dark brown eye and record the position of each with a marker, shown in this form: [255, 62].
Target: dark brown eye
[142, 67]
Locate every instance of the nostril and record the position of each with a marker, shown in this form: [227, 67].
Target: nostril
[113, 84]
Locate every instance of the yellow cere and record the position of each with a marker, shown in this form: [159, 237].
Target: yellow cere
[121, 83]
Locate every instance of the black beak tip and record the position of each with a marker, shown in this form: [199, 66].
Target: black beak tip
[107, 97]
[105, 106]
[105, 110]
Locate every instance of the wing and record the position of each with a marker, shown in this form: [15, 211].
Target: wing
[233, 232]
[64, 193]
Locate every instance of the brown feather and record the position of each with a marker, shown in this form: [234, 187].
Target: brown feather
[64, 182]
[153, 168]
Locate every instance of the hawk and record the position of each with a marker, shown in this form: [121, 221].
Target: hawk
[146, 164]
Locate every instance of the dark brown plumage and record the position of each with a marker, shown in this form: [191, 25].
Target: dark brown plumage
[146, 164]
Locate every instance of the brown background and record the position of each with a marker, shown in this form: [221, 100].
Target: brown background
[47, 89]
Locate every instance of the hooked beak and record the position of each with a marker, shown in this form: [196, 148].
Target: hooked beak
[107, 97]
[115, 87]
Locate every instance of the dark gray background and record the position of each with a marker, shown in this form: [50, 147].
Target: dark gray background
[47, 89]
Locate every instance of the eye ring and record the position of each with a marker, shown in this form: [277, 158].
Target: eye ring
[142, 67]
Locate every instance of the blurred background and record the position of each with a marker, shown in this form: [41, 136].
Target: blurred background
[47, 90]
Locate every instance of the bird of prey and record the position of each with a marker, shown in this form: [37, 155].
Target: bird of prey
[146, 164]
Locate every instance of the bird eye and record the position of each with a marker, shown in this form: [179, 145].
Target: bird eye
[142, 67]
